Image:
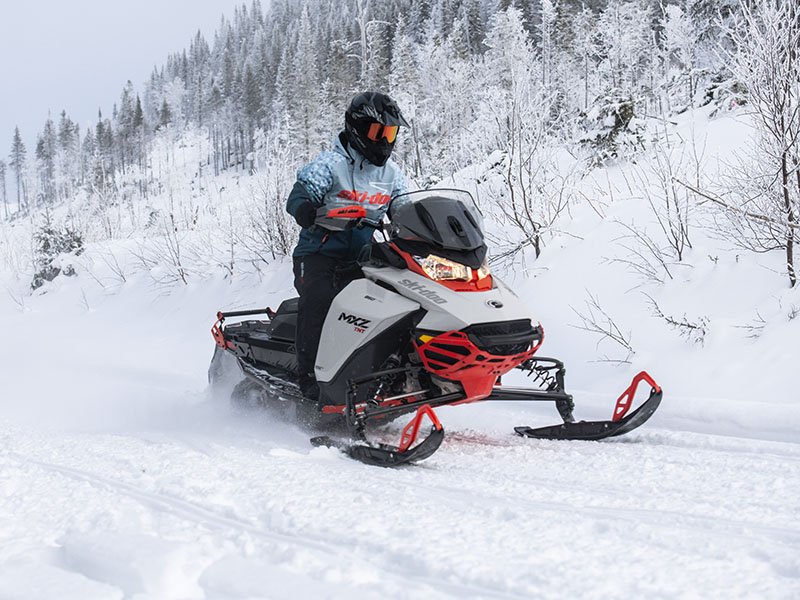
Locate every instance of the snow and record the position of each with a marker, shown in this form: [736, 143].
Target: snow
[121, 476]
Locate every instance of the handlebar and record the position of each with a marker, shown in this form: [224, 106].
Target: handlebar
[344, 218]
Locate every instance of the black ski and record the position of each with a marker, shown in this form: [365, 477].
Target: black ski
[596, 430]
[385, 455]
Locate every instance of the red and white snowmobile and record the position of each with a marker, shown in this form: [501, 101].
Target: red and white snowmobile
[428, 325]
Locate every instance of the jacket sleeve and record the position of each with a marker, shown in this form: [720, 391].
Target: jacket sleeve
[299, 195]
[313, 182]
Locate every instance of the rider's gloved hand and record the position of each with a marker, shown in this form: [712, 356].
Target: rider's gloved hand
[306, 214]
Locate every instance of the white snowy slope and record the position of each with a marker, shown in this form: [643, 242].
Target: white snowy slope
[121, 477]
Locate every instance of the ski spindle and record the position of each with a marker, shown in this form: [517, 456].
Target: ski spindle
[625, 401]
[411, 431]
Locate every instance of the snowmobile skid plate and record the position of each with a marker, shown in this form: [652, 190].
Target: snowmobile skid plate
[597, 430]
[385, 455]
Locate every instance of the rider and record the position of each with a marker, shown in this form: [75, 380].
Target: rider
[358, 171]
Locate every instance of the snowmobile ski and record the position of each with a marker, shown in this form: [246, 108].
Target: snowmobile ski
[598, 430]
[386, 455]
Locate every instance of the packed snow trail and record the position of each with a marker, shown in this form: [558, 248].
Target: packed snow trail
[246, 509]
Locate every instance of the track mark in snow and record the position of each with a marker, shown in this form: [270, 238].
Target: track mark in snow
[390, 564]
[177, 507]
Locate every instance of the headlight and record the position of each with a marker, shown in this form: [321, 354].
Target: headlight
[442, 269]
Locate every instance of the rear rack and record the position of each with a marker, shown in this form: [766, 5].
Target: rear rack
[218, 331]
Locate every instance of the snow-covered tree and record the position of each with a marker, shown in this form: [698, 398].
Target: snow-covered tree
[304, 89]
[3, 187]
[765, 58]
[625, 43]
[680, 45]
[17, 161]
[46, 163]
[547, 44]
[68, 164]
[585, 48]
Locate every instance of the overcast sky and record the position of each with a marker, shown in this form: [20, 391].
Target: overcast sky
[76, 55]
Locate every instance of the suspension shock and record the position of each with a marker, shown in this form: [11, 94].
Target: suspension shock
[383, 385]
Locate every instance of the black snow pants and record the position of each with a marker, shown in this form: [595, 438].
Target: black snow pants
[317, 278]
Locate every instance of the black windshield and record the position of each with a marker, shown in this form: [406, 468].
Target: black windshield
[448, 219]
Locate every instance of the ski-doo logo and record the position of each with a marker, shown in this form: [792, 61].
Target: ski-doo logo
[423, 291]
[359, 323]
[362, 197]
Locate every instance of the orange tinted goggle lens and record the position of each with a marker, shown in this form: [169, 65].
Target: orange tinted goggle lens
[377, 131]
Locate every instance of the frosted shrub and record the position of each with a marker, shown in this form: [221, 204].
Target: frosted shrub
[50, 244]
[611, 129]
[726, 92]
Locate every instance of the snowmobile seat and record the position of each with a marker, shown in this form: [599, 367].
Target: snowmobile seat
[284, 325]
[288, 306]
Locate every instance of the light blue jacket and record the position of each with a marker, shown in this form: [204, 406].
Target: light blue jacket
[342, 177]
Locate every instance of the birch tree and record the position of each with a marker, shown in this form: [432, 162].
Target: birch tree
[765, 58]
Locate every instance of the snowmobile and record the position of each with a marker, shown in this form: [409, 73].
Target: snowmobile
[426, 325]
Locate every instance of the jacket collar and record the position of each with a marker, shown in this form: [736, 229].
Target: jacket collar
[341, 146]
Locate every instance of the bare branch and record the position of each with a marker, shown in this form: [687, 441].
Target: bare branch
[693, 331]
[725, 205]
[597, 321]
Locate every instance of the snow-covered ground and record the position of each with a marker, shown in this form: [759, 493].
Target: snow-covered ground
[121, 477]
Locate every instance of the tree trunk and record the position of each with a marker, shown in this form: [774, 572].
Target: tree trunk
[790, 219]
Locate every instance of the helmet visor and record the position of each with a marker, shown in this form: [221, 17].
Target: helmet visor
[376, 131]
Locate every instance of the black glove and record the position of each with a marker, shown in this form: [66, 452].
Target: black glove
[306, 214]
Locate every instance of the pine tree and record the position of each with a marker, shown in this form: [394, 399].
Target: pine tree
[125, 125]
[532, 18]
[585, 48]
[378, 44]
[103, 164]
[46, 162]
[88, 153]
[305, 88]
[679, 41]
[199, 54]
[164, 115]
[443, 17]
[3, 187]
[17, 160]
[509, 57]
[472, 22]
[625, 42]
[251, 101]
[139, 134]
[228, 70]
[547, 45]
[418, 17]
[67, 159]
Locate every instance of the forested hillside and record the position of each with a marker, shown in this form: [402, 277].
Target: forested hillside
[539, 92]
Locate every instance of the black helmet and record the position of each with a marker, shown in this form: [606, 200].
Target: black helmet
[371, 123]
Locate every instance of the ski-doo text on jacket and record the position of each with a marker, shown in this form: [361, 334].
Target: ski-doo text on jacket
[343, 177]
